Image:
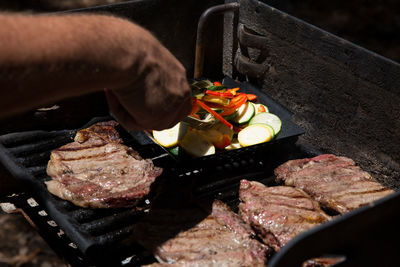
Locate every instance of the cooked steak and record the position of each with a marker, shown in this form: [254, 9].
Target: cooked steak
[190, 237]
[278, 213]
[335, 182]
[98, 171]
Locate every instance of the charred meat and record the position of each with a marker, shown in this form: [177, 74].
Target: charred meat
[191, 237]
[278, 213]
[335, 182]
[98, 171]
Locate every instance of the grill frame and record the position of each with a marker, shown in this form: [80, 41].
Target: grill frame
[350, 222]
[103, 232]
[87, 229]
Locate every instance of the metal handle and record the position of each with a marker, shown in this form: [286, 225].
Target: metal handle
[199, 57]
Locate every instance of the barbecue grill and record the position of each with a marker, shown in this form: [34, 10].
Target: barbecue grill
[343, 96]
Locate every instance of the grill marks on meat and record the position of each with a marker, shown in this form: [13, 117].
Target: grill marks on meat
[278, 213]
[192, 238]
[335, 182]
[98, 171]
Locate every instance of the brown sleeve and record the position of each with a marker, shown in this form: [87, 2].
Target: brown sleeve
[44, 58]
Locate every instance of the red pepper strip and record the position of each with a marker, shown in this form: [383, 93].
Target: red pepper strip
[235, 103]
[224, 94]
[217, 83]
[215, 114]
[233, 90]
[226, 141]
[251, 97]
[261, 108]
[195, 107]
[197, 116]
[228, 111]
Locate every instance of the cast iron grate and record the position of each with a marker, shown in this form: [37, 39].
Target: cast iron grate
[92, 233]
[98, 236]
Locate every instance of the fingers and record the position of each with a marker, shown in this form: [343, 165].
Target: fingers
[160, 122]
[160, 95]
[174, 118]
[119, 112]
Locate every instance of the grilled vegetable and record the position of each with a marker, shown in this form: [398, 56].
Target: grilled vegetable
[231, 116]
[269, 119]
[260, 108]
[216, 99]
[255, 134]
[237, 114]
[196, 145]
[219, 135]
[222, 128]
[234, 145]
[251, 97]
[169, 137]
[175, 151]
[216, 87]
[212, 112]
[245, 113]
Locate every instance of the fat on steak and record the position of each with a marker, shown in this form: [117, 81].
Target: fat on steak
[191, 237]
[335, 182]
[98, 171]
[278, 213]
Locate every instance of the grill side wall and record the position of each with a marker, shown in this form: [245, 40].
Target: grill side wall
[344, 96]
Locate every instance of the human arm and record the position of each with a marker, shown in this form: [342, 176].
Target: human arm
[45, 58]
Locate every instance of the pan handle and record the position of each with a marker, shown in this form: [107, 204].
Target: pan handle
[200, 42]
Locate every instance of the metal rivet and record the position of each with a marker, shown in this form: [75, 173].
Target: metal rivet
[60, 233]
[32, 202]
[52, 223]
[72, 245]
[42, 213]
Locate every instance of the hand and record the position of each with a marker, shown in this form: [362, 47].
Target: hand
[159, 96]
[78, 54]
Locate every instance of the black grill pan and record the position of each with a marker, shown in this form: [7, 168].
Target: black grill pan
[99, 234]
[288, 134]
[93, 232]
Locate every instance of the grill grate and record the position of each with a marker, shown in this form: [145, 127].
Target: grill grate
[91, 233]
[97, 234]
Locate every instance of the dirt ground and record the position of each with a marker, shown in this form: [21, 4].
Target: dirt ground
[374, 25]
[20, 245]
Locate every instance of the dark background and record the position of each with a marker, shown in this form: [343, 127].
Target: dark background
[374, 25]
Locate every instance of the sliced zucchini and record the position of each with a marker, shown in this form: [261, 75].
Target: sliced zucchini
[211, 135]
[225, 130]
[168, 137]
[218, 110]
[231, 116]
[268, 118]
[245, 113]
[260, 108]
[174, 151]
[255, 134]
[216, 87]
[234, 144]
[196, 145]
